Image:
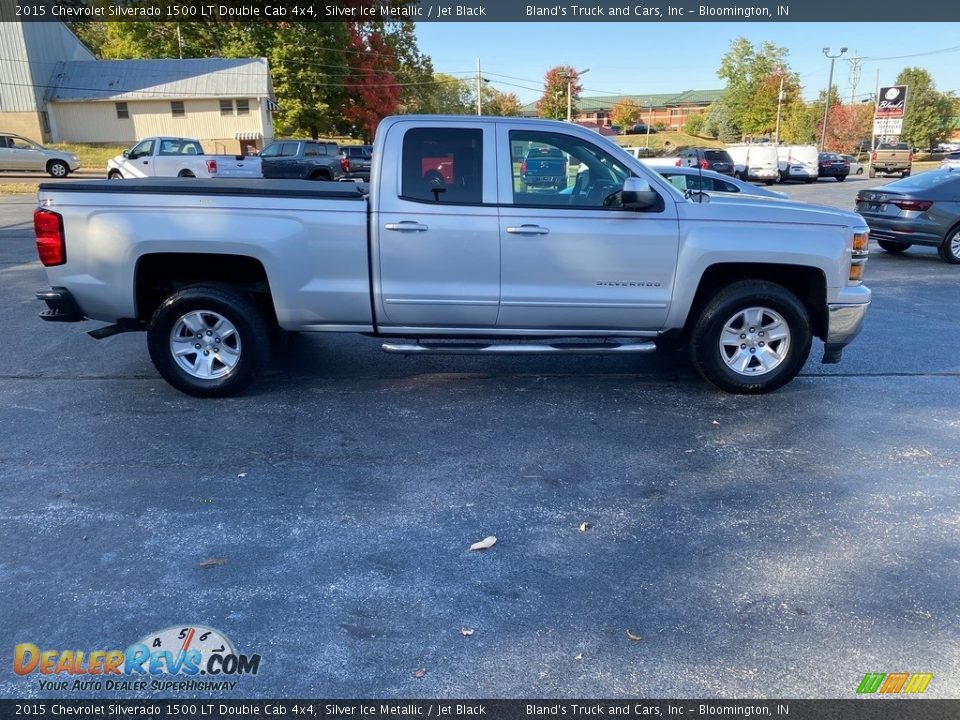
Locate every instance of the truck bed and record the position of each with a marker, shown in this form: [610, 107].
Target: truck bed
[255, 187]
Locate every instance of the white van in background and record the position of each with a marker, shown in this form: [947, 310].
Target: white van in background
[755, 162]
[798, 162]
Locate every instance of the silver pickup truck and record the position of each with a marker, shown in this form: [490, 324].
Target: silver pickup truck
[447, 251]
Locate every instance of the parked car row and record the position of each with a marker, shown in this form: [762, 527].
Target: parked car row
[287, 159]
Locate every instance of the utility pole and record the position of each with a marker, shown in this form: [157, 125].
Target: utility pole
[776, 133]
[479, 83]
[854, 76]
[826, 107]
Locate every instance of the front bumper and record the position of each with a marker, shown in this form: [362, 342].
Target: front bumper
[61, 306]
[844, 323]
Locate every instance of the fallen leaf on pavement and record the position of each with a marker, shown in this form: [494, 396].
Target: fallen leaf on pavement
[485, 544]
[584, 526]
[466, 632]
[633, 637]
[212, 563]
[579, 656]
[419, 673]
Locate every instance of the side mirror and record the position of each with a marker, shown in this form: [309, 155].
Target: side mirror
[126, 154]
[638, 195]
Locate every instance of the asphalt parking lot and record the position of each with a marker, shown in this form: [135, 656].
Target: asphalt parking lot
[655, 537]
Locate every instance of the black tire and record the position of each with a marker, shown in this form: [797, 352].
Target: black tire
[186, 173]
[253, 339]
[809, 180]
[860, 171]
[115, 175]
[58, 169]
[320, 175]
[768, 183]
[905, 173]
[841, 178]
[710, 360]
[950, 247]
[893, 247]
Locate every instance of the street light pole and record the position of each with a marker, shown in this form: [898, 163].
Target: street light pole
[826, 107]
[570, 77]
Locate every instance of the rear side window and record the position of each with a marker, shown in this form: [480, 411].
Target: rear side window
[717, 156]
[443, 165]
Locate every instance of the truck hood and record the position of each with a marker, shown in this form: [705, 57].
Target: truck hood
[754, 208]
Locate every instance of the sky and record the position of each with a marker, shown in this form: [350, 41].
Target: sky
[639, 58]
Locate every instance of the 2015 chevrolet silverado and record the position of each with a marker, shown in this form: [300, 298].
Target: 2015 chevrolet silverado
[470, 260]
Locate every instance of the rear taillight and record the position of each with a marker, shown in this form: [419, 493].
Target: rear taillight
[212, 167]
[51, 247]
[523, 167]
[873, 156]
[344, 164]
[910, 157]
[679, 163]
[921, 205]
[704, 164]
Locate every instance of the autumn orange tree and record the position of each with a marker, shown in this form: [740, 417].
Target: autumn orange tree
[625, 113]
[553, 102]
[847, 125]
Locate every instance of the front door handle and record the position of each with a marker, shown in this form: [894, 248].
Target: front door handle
[528, 230]
[406, 226]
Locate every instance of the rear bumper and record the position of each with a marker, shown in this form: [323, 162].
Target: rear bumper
[61, 307]
[915, 231]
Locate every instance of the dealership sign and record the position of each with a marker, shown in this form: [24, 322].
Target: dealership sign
[891, 107]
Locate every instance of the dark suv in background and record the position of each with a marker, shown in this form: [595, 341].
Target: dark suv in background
[303, 159]
[707, 159]
[361, 158]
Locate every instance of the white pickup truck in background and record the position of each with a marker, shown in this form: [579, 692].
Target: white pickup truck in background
[179, 157]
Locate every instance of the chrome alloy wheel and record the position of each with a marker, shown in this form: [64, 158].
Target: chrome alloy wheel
[754, 341]
[955, 245]
[205, 344]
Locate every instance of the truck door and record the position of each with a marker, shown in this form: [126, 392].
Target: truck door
[434, 225]
[139, 161]
[571, 258]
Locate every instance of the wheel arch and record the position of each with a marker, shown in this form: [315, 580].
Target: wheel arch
[158, 275]
[808, 283]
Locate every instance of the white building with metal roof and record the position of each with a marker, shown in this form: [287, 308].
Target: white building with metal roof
[226, 103]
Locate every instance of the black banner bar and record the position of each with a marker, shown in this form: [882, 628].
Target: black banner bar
[655, 11]
[874, 708]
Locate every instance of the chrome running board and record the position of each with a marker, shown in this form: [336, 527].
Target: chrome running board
[609, 348]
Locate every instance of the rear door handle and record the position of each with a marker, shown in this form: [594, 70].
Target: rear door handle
[528, 230]
[406, 226]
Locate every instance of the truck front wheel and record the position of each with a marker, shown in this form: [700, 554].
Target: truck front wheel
[209, 340]
[752, 337]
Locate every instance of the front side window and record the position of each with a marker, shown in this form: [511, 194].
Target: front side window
[271, 150]
[142, 150]
[443, 165]
[562, 171]
[289, 149]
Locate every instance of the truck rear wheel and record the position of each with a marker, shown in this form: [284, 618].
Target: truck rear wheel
[893, 247]
[209, 340]
[752, 337]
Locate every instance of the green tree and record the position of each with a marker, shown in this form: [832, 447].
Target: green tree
[718, 122]
[446, 95]
[500, 104]
[799, 122]
[694, 124]
[553, 102]
[929, 112]
[753, 76]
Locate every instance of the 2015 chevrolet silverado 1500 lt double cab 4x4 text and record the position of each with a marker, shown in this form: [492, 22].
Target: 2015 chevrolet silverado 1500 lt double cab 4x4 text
[472, 262]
